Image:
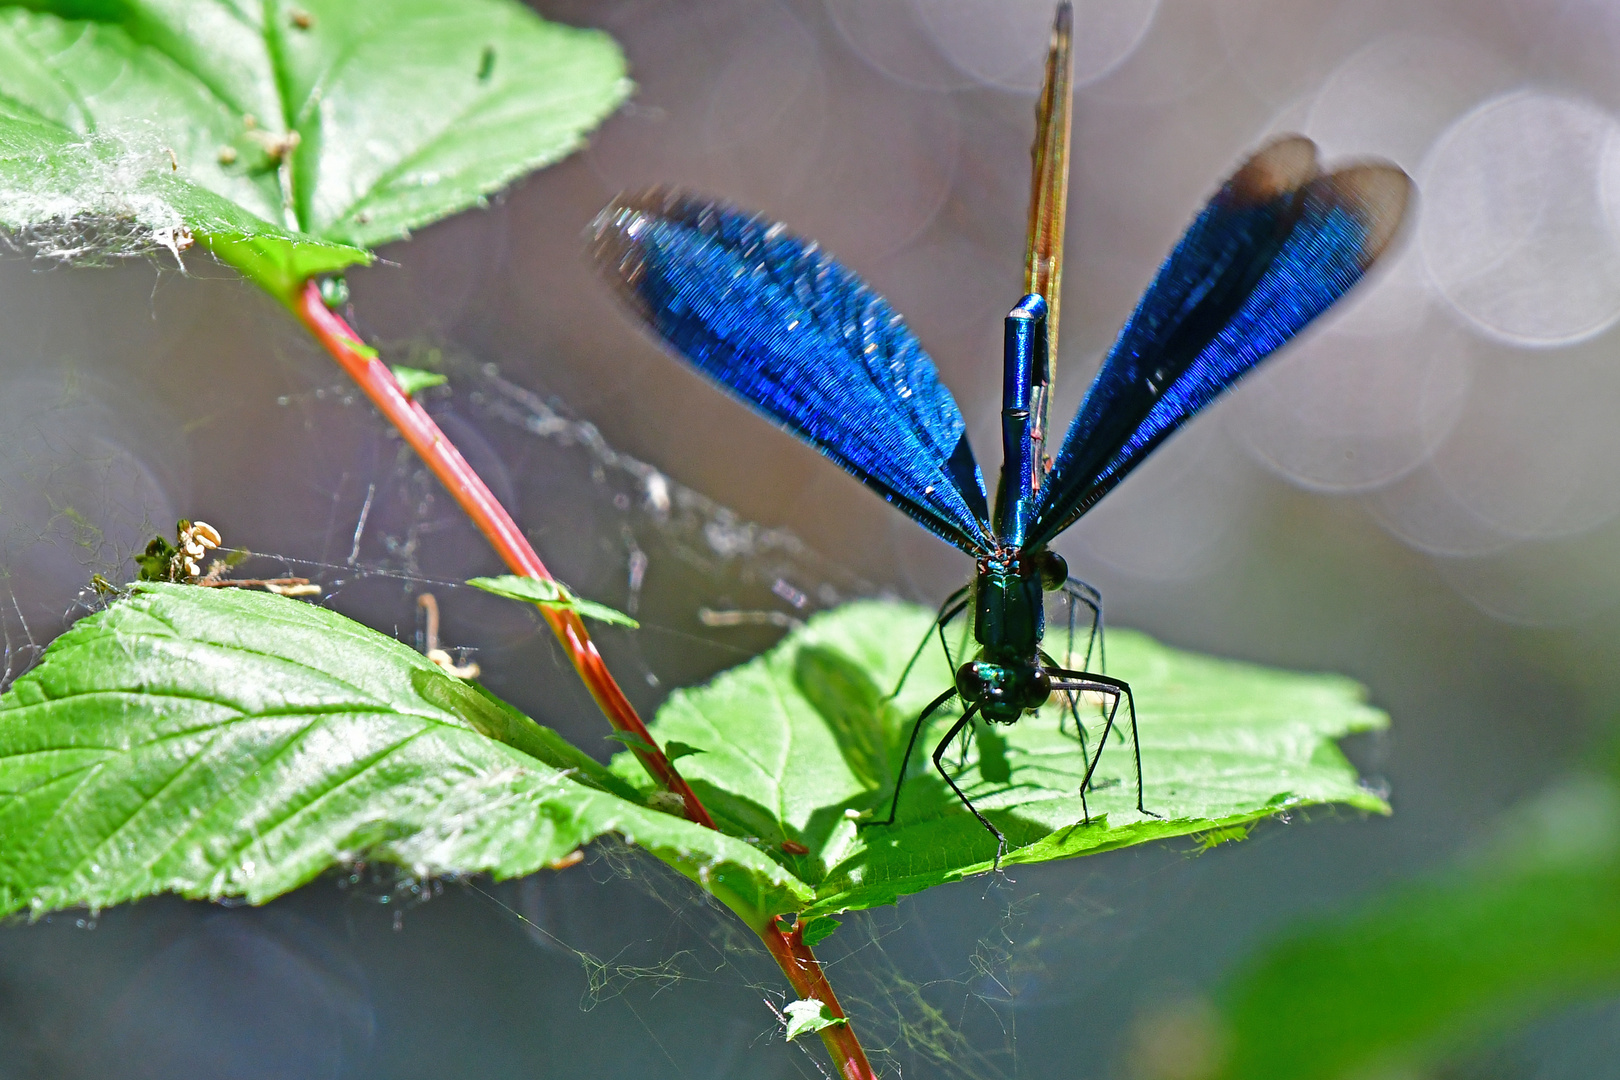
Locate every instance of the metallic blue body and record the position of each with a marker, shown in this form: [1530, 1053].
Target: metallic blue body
[1023, 362]
[783, 327]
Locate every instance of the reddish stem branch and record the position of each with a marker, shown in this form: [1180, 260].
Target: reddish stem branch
[804, 972]
[495, 523]
[469, 490]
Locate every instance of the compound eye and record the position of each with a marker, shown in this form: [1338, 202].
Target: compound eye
[1040, 688]
[1054, 571]
[970, 681]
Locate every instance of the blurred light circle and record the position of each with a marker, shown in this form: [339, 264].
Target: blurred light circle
[770, 69]
[1513, 229]
[892, 39]
[883, 171]
[83, 485]
[1394, 97]
[1280, 48]
[1574, 40]
[1347, 412]
[1005, 44]
[741, 114]
[1543, 583]
[1176, 517]
[1422, 512]
[1175, 61]
[1537, 450]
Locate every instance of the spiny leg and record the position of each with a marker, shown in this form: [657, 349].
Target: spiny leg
[1117, 689]
[939, 752]
[916, 729]
[953, 606]
[964, 745]
[1082, 683]
[1072, 699]
[1077, 590]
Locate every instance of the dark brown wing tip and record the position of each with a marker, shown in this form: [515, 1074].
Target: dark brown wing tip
[627, 205]
[1378, 194]
[611, 236]
[611, 243]
[1285, 164]
[1063, 24]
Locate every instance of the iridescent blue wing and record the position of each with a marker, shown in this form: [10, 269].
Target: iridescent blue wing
[1275, 247]
[783, 327]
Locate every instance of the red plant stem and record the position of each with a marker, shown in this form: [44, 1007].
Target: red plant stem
[469, 489]
[788, 949]
[804, 972]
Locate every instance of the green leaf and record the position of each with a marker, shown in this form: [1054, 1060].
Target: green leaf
[411, 380]
[807, 1017]
[819, 929]
[96, 195]
[801, 743]
[551, 593]
[678, 749]
[287, 140]
[218, 742]
[1445, 963]
[630, 739]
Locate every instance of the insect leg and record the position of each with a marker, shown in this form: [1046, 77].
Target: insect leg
[1076, 682]
[939, 752]
[916, 729]
[1078, 591]
[1072, 697]
[1119, 690]
[953, 606]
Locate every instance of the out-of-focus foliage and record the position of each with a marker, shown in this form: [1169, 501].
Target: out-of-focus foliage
[1527, 924]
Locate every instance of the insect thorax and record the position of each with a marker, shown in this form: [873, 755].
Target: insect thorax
[1009, 621]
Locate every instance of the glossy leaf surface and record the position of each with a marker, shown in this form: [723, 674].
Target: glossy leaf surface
[215, 743]
[221, 743]
[797, 741]
[807, 1016]
[287, 138]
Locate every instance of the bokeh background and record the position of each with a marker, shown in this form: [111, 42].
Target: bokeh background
[1424, 493]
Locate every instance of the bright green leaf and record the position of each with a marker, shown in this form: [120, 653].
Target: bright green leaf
[218, 742]
[98, 196]
[1446, 963]
[287, 145]
[551, 593]
[819, 929]
[678, 749]
[590, 609]
[631, 740]
[801, 743]
[807, 1017]
[413, 380]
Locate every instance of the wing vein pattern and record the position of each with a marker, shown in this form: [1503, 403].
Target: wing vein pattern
[779, 324]
[1275, 247]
